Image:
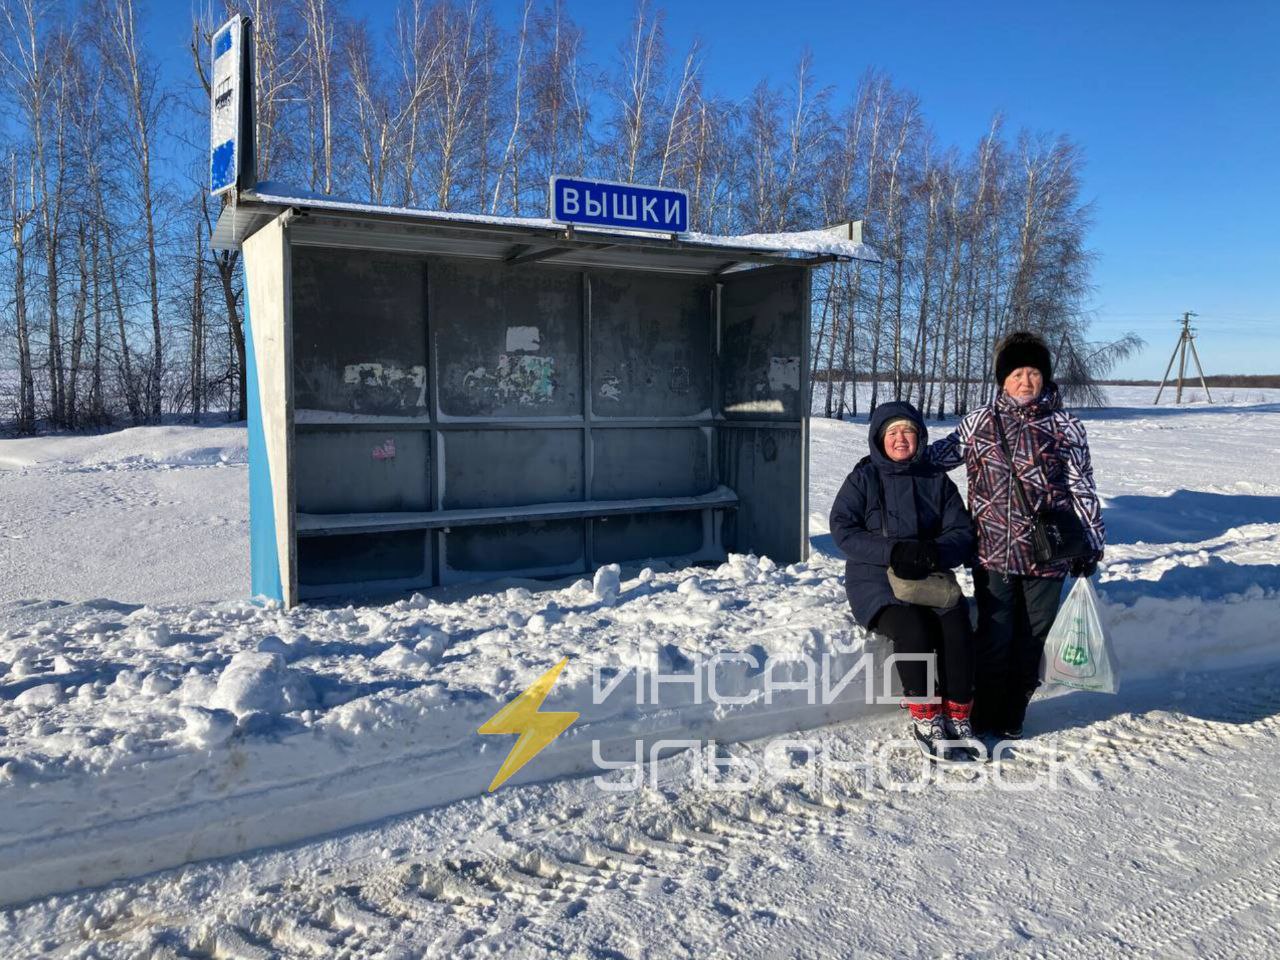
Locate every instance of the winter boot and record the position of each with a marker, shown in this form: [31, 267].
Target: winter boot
[990, 711]
[955, 717]
[929, 729]
[1015, 712]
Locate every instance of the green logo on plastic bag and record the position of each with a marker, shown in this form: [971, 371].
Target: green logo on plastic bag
[1074, 651]
[1075, 655]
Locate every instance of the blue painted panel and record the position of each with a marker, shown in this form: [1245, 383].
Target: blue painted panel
[264, 555]
[222, 166]
[222, 43]
[600, 203]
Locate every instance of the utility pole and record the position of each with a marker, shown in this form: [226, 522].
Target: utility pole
[1187, 338]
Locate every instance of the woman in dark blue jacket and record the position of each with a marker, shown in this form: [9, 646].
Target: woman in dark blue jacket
[897, 512]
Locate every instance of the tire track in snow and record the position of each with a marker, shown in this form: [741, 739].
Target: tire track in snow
[1244, 714]
[701, 824]
[1150, 930]
[565, 858]
[543, 875]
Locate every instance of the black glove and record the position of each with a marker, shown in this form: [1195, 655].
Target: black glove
[914, 559]
[1085, 566]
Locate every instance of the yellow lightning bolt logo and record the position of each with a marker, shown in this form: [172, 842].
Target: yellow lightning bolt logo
[536, 729]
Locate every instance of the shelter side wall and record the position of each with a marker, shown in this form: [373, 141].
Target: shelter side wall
[268, 356]
[763, 436]
[763, 466]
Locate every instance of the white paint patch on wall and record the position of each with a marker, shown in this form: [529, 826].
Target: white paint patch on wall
[755, 406]
[523, 338]
[784, 373]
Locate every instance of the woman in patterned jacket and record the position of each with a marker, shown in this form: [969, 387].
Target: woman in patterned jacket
[1017, 596]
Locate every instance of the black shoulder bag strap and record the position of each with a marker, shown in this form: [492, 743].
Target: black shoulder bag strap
[1013, 470]
[1056, 534]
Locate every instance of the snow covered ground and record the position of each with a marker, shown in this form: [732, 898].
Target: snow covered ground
[173, 721]
[154, 514]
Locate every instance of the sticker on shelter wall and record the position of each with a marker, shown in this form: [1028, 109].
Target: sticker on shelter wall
[784, 373]
[386, 450]
[409, 382]
[680, 380]
[523, 338]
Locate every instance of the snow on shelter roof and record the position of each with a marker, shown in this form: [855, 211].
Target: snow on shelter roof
[521, 239]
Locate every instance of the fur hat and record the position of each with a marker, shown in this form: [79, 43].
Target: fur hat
[1022, 349]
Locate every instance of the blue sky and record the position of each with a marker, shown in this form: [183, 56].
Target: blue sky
[1176, 104]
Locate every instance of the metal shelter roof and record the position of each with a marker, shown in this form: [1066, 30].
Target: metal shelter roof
[329, 221]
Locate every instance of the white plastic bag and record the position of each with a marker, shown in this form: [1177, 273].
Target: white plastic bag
[1076, 654]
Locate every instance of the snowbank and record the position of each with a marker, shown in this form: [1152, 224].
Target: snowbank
[134, 737]
[170, 445]
[146, 514]
[229, 726]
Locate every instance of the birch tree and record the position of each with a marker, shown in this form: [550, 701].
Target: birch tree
[21, 212]
[114, 307]
[136, 76]
[34, 61]
[455, 101]
[510, 164]
[319, 21]
[556, 136]
[635, 91]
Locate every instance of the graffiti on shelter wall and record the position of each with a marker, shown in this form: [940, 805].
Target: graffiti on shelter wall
[410, 383]
[647, 376]
[784, 373]
[518, 378]
[609, 389]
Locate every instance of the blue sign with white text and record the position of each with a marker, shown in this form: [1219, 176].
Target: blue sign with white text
[600, 203]
[224, 108]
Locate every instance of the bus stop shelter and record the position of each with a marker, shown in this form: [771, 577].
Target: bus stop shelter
[437, 398]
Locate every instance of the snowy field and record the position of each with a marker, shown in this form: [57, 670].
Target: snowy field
[149, 716]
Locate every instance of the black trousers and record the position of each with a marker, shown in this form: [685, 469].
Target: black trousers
[916, 629]
[1014, 617]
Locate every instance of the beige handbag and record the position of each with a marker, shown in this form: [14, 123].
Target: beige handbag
[940, 589]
